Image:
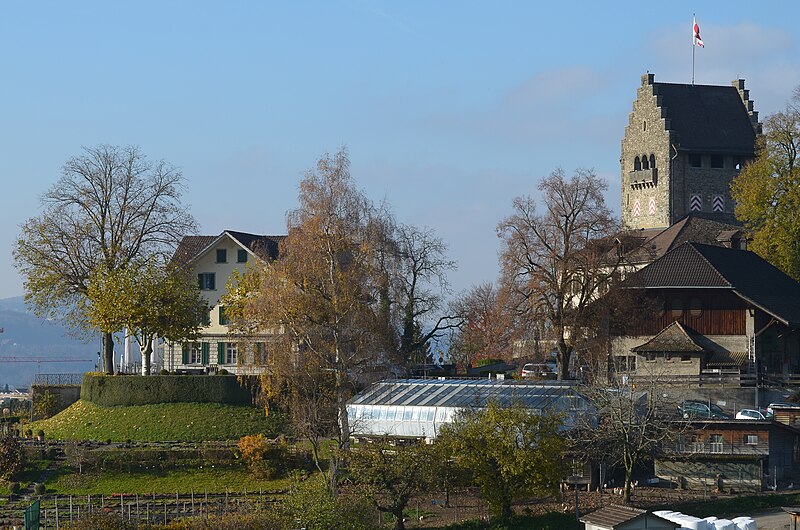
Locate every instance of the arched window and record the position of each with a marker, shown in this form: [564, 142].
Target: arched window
[637, 164]
[645, 163]
[652, 161]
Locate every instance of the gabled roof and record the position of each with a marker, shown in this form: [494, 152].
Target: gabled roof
[192, 247]
[674, 338]
[694, 265]
[612, 516]
[695, 227]
[707, 118]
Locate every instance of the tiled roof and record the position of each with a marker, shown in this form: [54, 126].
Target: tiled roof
[728, 358]
[708, 229]
[190, 247]
[694, 265]
[708, 119]
[612, 516]
[674, 338]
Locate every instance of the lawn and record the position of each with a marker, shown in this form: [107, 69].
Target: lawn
[212, 480]
[164, 421]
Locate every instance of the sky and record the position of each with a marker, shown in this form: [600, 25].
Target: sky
[449, 109]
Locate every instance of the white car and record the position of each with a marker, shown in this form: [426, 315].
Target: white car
[753, 414]
[539, 371]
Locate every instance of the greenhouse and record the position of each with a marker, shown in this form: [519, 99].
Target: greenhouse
[417, 408]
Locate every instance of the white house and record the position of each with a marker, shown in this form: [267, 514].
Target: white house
[212, 260]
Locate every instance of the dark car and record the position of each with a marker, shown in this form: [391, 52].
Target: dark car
[701, 409]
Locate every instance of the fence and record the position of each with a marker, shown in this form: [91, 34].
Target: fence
[58, 379]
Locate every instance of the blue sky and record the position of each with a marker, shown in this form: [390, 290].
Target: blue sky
[449, 109]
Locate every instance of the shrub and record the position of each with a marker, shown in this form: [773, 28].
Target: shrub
[12, 458]
[163, 371]
[265, 458]
[110, 391]
[312, 506]
[50, 453]
[13, 488]
[40, 434]
[39, 488]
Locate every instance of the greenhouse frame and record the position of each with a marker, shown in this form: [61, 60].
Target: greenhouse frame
[418, 408]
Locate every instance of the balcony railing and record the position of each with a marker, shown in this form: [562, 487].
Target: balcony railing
[714, 448]
[643, 176]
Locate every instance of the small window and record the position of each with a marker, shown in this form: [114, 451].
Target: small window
[205, 281]
[717, 161]
[222, 255]
[637, 164]
[695, 307]
[241, 256]
[716, 444]
[231, 352]
[651, 357]
[686, 358]
[676, 307]
[652, 161]
[644, 125]
[223, 318]
[751, 439]
[668, 356]
[645, 162]
[195, 353]
[695, 161]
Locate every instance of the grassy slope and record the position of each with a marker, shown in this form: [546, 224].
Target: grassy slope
[164, 421]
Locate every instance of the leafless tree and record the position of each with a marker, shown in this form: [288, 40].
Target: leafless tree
[110, 206]
[555, 263]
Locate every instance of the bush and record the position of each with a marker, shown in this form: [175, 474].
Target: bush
[312, 506]
[265, 458]
[50, 453]
[110, 391]
[13, 488]
[163, 371]
[12, 458]
[39, 488]
[235, 521]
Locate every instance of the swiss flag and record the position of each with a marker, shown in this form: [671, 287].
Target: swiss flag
[696, 34]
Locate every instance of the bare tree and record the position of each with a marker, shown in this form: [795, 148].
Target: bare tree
[556, 262]
[420, 285]
[110, 206]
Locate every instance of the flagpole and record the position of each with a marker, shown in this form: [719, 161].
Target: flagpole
[693, 23]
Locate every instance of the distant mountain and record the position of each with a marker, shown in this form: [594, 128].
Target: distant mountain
[26, 337]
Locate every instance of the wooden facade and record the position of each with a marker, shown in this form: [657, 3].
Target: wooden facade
[705, 311]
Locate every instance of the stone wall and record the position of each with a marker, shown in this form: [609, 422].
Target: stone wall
[65, 395]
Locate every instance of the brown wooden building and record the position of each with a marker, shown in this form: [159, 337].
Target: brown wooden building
[738, 455]
[722, 310]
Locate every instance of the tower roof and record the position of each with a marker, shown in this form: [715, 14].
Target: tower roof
[708, 118]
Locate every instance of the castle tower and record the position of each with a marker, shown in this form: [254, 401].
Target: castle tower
[683, 146]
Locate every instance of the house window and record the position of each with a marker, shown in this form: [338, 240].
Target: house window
[751, 439]
[695, 307]
[241, 256]
[625, 363]
[715, 443]
[222, 255]
[223, 318]
[195, 353]
[231, 351]
[717, 161]
[695, 161]
[205, 281]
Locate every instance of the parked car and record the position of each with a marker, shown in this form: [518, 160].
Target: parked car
[782, 406]
[754, 414]
[539, 371]
[701, 409]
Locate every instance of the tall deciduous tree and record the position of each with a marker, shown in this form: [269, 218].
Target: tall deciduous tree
[767, 191]
[510, 452]
[554, 263]
[110, 207]
[322, 298]
[150, 300]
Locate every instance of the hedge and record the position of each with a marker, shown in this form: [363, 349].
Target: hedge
[115, 390]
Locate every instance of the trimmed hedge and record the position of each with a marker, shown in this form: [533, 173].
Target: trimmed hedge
[116, 390]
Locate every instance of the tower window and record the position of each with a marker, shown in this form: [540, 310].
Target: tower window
[695, 161]
[717, 161]
[645, 162]
[644, 125]
[637, 164]
[652, 161]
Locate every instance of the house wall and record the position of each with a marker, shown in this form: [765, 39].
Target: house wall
[737, 475]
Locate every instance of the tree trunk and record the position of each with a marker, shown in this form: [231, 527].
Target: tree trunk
[399, 524]
[564, 354]
[626, 493]
[108, 353]
[147, 354]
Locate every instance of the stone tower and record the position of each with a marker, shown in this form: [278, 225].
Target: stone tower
[682, 147]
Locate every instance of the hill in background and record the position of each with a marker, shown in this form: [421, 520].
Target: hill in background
[26, 336]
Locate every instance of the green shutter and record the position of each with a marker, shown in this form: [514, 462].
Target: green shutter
[220, 353]
[204, 353]
[223, 318]
[185, 354]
